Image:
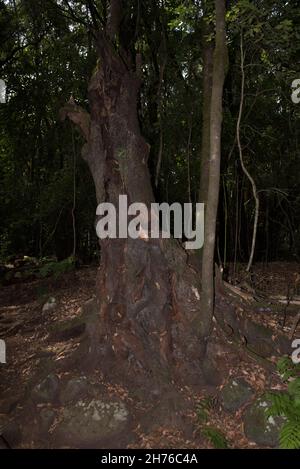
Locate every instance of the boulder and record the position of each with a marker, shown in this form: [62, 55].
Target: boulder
[258, 427]
[92, 422]
[235, 394]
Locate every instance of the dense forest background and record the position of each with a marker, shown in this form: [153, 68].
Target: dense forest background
[47, 198]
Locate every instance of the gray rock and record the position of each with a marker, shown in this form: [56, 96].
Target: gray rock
[50, 306]
[235, 394]
[73, 389]
[89, 422]
[263, 430]
[47, 390]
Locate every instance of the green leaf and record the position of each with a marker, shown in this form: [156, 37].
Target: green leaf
[290, 436]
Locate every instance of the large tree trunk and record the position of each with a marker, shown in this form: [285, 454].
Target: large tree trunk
[148, 295]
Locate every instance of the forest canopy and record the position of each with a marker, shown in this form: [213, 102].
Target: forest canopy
[48, 55]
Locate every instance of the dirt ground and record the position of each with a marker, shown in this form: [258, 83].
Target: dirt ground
[27, 331]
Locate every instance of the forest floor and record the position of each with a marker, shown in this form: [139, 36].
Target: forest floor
[27, 331]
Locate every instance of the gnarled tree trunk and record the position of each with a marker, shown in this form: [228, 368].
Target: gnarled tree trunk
[148, 295]
[150, 321]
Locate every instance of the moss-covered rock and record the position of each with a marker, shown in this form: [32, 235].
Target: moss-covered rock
[260, 428]
[235, 394]
[91, 422]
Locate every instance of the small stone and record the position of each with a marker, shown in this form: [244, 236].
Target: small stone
[235, 394]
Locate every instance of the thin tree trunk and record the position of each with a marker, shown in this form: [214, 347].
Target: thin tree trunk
[225, 224]
[219, 72]
[208, 52]
[246, 172]
[237, 224]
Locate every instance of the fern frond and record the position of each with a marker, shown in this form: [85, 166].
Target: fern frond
[294, 389]
[281, 404]
[290, 436]
[216, 437]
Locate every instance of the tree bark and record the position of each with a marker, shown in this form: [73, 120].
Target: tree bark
[148, 295]
[152, 325]
[208, 51]
[216, 114]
